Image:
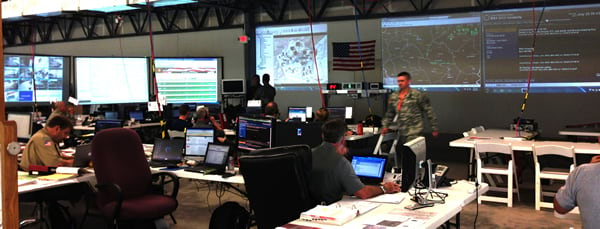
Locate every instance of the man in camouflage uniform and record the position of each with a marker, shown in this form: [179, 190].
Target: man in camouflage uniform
[406, 109]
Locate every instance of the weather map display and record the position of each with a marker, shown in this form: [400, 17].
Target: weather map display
[286, 53]
[442, 52]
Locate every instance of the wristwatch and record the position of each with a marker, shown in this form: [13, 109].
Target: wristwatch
[382, 188]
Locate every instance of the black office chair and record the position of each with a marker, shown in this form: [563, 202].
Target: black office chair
[277, 181]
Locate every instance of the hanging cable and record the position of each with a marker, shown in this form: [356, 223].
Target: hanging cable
[535, 27]
[360, 55]
[314, 51]
[32, 40]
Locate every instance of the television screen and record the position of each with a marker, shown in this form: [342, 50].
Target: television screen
[49, 74]
[24, 123]
[286, 53]
[109, 80]
[233, 86]
[187, 79]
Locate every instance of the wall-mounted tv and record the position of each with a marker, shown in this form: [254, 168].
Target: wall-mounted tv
[111, 80]
[188, 79]
[49, 74]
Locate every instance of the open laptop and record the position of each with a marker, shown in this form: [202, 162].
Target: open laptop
[196, 142]
[82, 156]
[215, 160]
[370, 169]
[167, 152]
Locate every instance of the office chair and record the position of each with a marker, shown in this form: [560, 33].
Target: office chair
[128, 193]
[277, 181]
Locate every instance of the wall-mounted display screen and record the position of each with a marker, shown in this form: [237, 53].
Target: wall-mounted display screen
[49, 74]
[286, 53]
[442, 52]
[493, 50]
[188, 80]
[108, 80]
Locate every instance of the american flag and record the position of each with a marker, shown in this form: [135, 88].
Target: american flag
[354, 56]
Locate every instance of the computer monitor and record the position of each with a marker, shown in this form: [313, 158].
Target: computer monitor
[254, 133]
[111, 115]
[24, 124]
[137, 115]
[107, 124]
[298, 113]
[253, 107]
[414, 156]
[233, 86]
[337, 112]
[370, 169]
[294, 133]
[196, 141]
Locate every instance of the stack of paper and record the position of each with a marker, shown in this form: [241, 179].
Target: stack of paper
[330, 214]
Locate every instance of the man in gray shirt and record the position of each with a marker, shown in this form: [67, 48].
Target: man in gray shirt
[581, 189]
[332, 175]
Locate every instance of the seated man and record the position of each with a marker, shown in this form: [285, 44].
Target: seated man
[181, 122]
[272, 110]
[205, 120]
[581, 189]
[321, 115]
[42, 148]
[332, 175]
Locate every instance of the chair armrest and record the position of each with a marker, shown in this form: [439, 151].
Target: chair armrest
[112, 189]
[160, 179]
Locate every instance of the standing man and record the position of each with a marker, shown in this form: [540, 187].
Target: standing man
[266, 93]
[254, 86]
[406, 109]
[332, 175]
[42, 148]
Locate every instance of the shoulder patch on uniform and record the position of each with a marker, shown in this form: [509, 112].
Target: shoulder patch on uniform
[47, 143]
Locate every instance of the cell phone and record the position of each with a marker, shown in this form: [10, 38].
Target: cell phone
[227, 175]
[418, 206]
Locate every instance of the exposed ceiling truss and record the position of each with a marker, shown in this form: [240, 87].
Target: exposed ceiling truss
[221, 14]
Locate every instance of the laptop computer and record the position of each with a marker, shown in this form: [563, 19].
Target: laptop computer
[196, 142]
[82, 156]
[369, 169]
[167, 152]
[215, 160]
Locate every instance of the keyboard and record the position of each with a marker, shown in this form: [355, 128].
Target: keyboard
[162, 164]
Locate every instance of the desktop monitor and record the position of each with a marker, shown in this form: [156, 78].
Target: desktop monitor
[294, 133]
[233, 86]
[137, 115]
[107, 124]
[340, 112]
[414, 156]
[111, 115]
[196, 141]
[254, 133]
[24, 124]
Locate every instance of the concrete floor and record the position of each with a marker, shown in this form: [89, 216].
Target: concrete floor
[198, 199]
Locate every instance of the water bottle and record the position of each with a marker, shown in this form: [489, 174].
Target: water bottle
[231, 166]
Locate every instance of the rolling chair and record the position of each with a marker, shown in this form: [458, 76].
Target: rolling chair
[277, 183]
[548, 172]
[128, 193]
[506, 170]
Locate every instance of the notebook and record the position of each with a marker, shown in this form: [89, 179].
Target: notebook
[82, 156]
[167, 152]
[370, 169]
[196, 142]
[215, 160]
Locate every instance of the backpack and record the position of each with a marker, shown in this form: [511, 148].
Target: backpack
[230, 215]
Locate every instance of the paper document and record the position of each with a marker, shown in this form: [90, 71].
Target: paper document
[395, 198]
